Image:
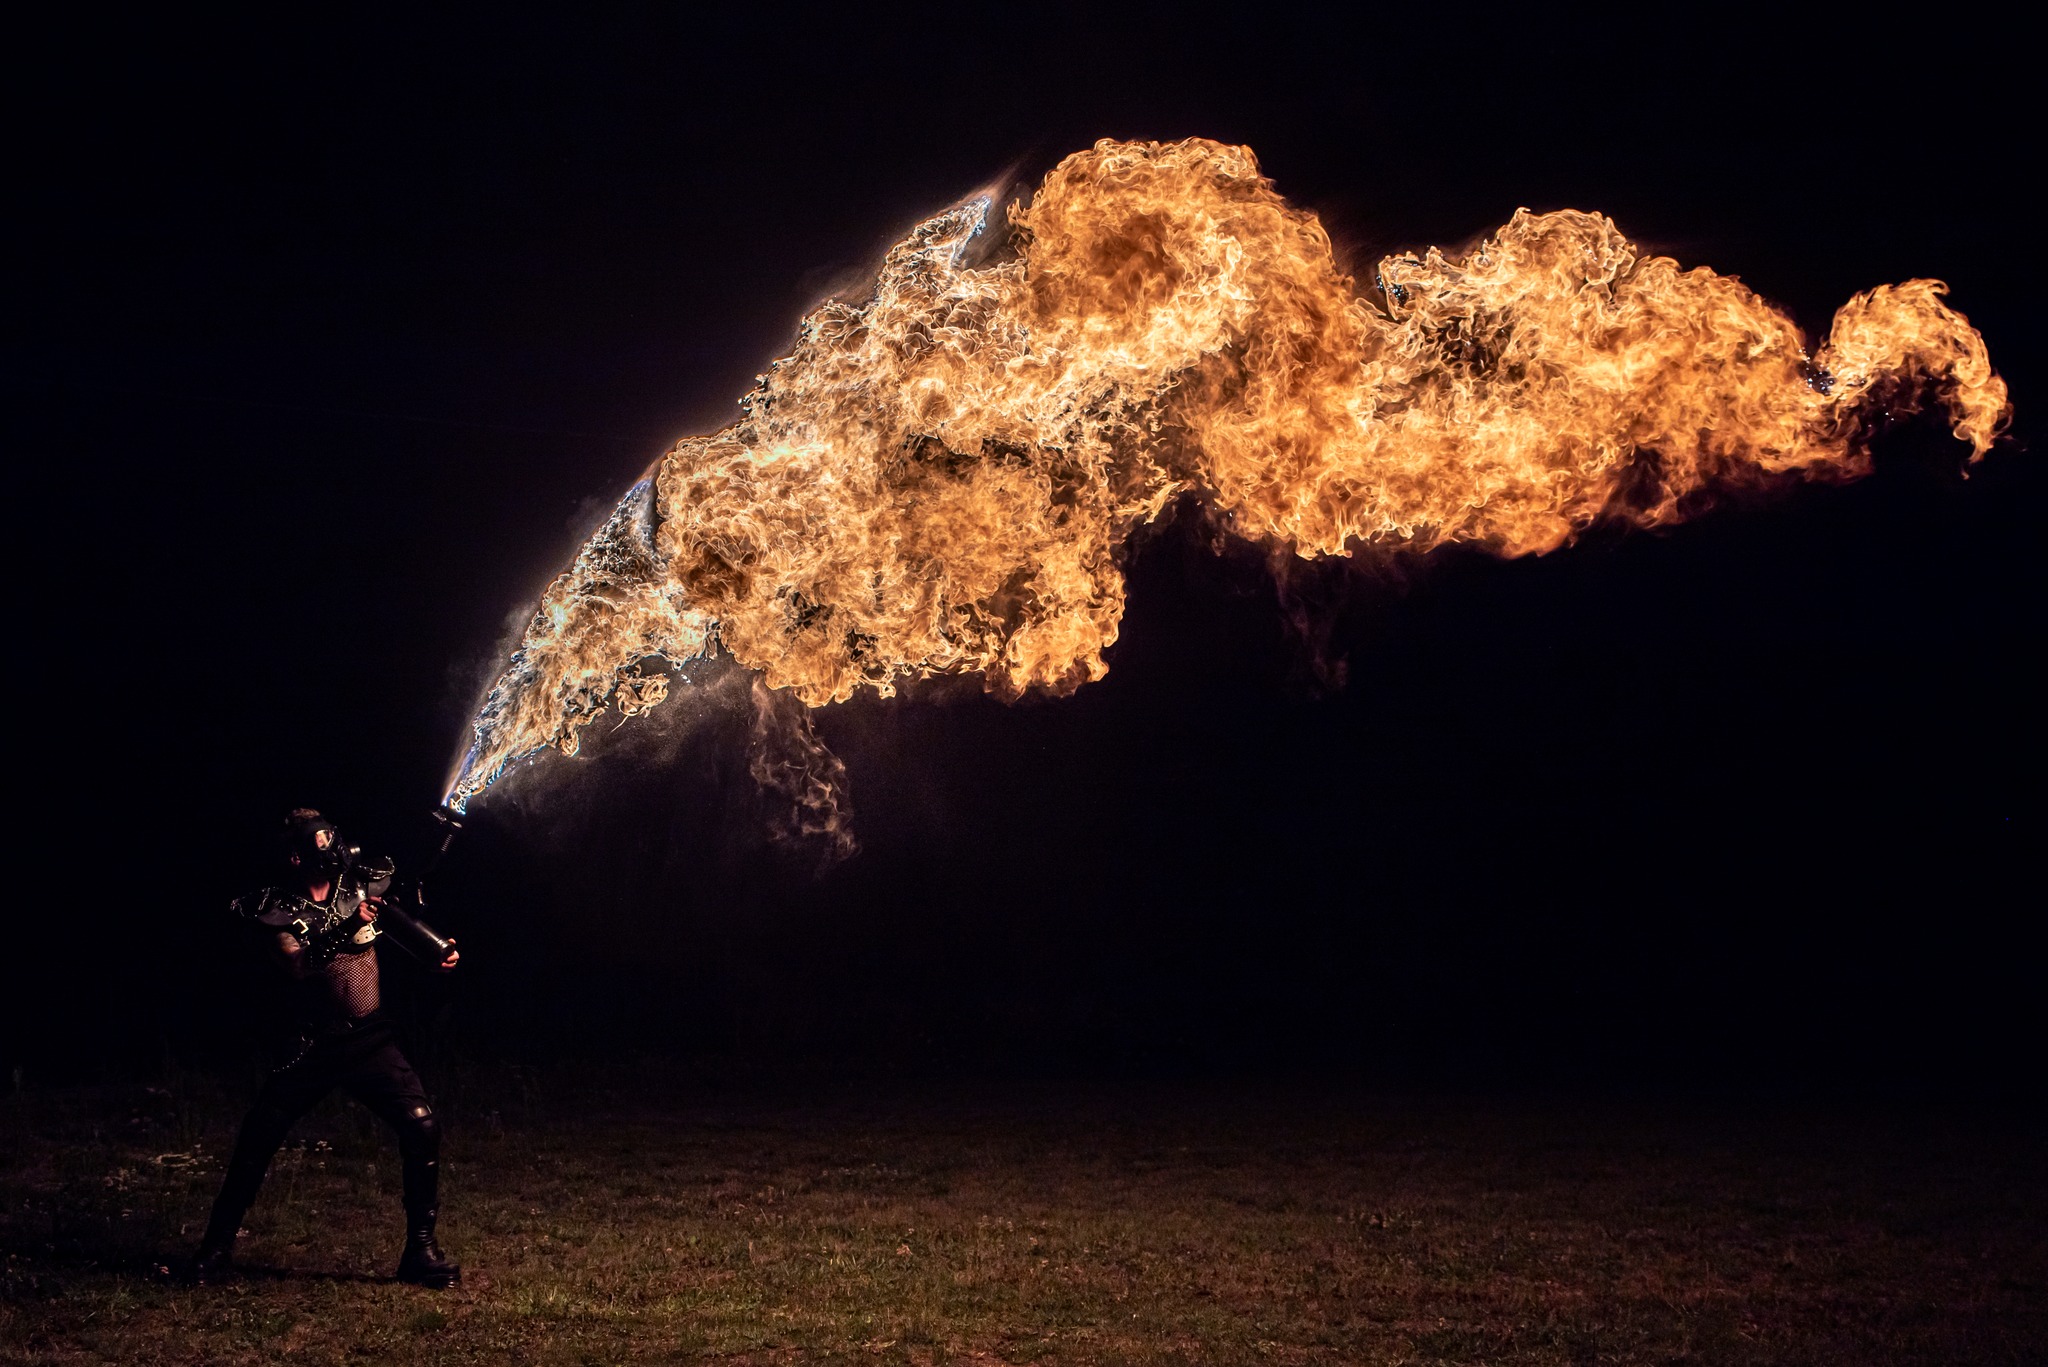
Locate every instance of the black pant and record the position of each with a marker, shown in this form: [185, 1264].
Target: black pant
[367, 1065]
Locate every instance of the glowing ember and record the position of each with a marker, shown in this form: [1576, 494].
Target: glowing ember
[940, 478]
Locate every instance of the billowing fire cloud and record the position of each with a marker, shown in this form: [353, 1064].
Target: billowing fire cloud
[941, 476]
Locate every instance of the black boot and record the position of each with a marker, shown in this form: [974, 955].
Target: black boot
[215, 1260]
[423, 1263]
[211, 1265]
[263, 1129]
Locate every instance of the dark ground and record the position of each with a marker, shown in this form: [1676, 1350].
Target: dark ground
[609, 1218]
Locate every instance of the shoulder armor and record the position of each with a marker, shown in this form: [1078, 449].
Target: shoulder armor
[272, 907]
[373, 873]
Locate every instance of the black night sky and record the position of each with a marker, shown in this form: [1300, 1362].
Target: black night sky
[333, 339]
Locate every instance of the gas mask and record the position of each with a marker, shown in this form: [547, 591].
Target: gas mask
[317, 847]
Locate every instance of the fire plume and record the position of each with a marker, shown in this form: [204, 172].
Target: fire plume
[941, 476]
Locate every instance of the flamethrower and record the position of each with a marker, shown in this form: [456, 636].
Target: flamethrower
[402, 900]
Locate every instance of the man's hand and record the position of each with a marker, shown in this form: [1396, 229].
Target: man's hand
[447, 965]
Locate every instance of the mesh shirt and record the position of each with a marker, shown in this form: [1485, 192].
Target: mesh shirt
[345, 988]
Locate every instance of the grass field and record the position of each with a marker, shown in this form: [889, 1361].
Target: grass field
[605, 1220]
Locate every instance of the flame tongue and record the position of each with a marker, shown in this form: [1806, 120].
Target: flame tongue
[940, 479]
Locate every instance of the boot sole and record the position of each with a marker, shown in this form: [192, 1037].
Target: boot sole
[432, 1281]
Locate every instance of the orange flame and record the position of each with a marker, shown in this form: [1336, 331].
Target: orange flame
[940, 479]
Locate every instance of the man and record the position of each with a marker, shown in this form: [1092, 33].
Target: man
[320, 929]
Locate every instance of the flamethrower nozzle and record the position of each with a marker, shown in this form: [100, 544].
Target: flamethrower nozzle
[451, 826]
